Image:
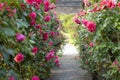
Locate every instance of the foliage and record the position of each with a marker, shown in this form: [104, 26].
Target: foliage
[99, 40]
[29, 39]
[69, 27]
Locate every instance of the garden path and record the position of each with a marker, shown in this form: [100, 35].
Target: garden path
[69, 68]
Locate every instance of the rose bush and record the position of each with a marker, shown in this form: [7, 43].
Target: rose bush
[99, 39]
[26, 39]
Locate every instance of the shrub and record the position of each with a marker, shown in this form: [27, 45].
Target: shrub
[99, 40]
[25, 38]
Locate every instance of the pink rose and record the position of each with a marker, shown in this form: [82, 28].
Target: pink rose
[8, 8]
[19, 57]
[20, 37]
[35, 50]
[52, 6]
[115, 63]
[38, 26]
[91, 26]
[118, 4]
[33, 15]
[1, 6]
[47, 18]
[85, 22]
[46, 3]
[86, 2]
[33, 22]
[52, 33]
[38, 1]
[91, 44]
[30, 1]
[11, 78]
[45, 36]
[35, 78]
[76, 20]
[50, 43]
[111, 4]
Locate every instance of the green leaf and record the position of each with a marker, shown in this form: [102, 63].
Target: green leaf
[11, 52]
[8, 31]
[22, 24]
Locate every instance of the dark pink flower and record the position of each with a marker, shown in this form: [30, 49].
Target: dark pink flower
[1, 6]
[30, 1]
[91, 26]
[19, 57]
[56, 61]
[33, 15]
[111, 4]
[47, 18]
[20, 37]
[85, 22]
[45, 36]
[35, 78]
[33, 22]
[118, 4]
[46, 9]
[46, 3]
[11, 78]
[35, 50]
[8, 8]
[38, 1]
[76, 20]
[115, 63]
[52, 33]
[50, 43]
[38, 26]
[91, 44]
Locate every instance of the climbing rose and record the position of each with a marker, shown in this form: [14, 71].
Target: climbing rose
[115, 63]
[47, 18]
[85, 22]
[11, 78]
[20, 37]
[46, 3]
[33, 22]
[45, 36]
[91, 26]
[76, 20]
[91, 44]
[35, 50]
[38, 1]
[52, 33]
[1, 6]
[35, 78]
[118, 4]
[38, 26]
[86, 2]
[56, 61]
[52, 6]
[33, 15]
[50, 43]
[111, 4]
[19, 57]
[30, 1]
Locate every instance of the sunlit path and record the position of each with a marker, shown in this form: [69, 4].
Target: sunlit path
[69, 68]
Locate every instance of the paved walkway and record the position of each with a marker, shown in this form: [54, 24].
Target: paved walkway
[69, 68]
